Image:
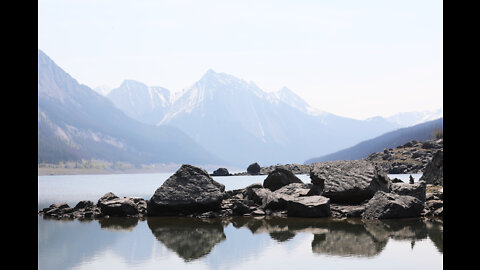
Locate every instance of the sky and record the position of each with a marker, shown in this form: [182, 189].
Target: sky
[356, 59]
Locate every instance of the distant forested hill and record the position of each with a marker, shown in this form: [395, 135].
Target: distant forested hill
[391, 139]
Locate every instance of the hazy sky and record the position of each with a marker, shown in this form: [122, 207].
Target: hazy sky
[351, 58]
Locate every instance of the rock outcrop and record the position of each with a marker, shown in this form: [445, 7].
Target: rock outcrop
[417, 190]
[189, 190]
[357, 188]
[108, 205]
[309, 206]
[350, 182]
[433, 173]
[411, 157]
[389, 205]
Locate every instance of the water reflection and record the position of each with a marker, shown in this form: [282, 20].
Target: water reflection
[193, 238]
[68, 244]
[190, 238]
[118, 223]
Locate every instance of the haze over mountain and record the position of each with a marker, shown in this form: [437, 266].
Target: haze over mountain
[392, 139]
[406, 119]
[141, 102]
[238, 121]
[75, 122]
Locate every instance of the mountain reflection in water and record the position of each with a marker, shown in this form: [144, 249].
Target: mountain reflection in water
[229, 241]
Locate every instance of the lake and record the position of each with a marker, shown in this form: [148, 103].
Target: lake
[228, 243]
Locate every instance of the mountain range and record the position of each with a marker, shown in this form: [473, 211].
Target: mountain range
[238, 121]
[75, 122]
[220, 119]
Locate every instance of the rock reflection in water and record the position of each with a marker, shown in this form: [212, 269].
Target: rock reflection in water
[194, 238]
[190, 238]
[348, 238]
[118, 223]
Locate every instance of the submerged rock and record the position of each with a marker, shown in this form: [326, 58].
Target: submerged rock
[189, 190]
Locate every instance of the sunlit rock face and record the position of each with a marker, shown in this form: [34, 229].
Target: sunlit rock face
[389, 205]
[352, 181]
[189, 190]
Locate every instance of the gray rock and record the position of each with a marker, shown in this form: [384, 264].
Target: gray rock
[431, 206]
[239, 207]
[350, 211]
[221, 172]
[389, 205]
[428, 145]
[294, 189]
[84, 205]
[258, 212]
[280, 177]
[349, 182]
[396, 180]
[408, 144]
[119, 207]
[417, 190]
[433, 173]
[83, 209]
[253, 168]
[259, 196]
[107, 197]
[309, 206]
[190, 190]
[278, 199]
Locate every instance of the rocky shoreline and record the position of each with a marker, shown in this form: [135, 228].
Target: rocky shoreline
[339, 189]
[409, 158]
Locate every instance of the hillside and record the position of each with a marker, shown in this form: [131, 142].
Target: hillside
[391, 139]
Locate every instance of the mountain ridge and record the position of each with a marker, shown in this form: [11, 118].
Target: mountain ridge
[242, 123]
[76, 122]
[392, 139]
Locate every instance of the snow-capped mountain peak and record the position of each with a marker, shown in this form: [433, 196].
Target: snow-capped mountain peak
[407, 119]
[137, 100]
[103, 89]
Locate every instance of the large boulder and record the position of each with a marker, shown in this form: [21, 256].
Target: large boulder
[110, 204]
[433, 173]
[189, 191]
[389, 205]
[348, 181]
[309, 206]
[280, 177]
[279, 199]
[119, 207]
[417, 190]
[253, 168]
[221, 172]
[259, 195]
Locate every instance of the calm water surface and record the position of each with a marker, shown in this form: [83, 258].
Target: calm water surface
[230, 243]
